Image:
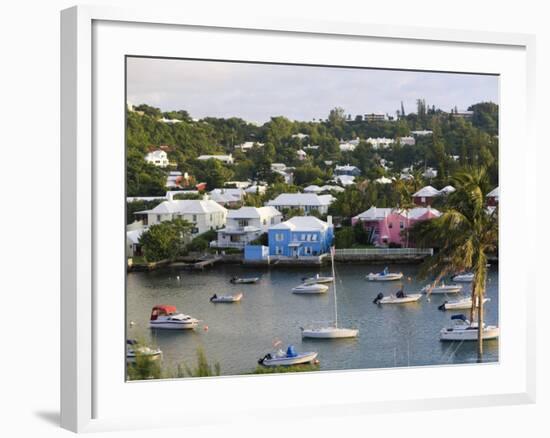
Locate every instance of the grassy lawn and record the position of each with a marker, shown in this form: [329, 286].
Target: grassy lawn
[286, 369]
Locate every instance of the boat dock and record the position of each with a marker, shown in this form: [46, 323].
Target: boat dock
[205, 262]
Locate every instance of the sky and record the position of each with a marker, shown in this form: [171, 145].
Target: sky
[256, 92]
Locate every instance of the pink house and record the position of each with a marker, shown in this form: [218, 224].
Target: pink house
[385, 225]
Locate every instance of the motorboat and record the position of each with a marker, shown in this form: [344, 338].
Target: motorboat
[331, 331]
[310, 289]
[317, 279]
[442, 289]
[288, 358]
[464, 330]
[248, 280]
[399, 298]
[385, 275]
[167, 317]
[226, 298]
[466, 277]
[133, 350]
[460, 304]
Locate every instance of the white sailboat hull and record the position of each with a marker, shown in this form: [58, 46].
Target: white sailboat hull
[287, 361]
[463, 304]
[395, 300]
[330, 333]
[464, 278]
[310, 289]
[227, 299]
[450, 289]
[467, 334]
[318, 280]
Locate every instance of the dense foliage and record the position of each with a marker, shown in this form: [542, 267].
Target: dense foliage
[166, 240]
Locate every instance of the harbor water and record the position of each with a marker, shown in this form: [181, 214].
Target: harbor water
[237, 335]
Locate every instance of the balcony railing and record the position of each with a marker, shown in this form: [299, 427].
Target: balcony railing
[385, 251]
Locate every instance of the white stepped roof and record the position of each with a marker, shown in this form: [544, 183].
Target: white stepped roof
[447, 190]
[189, 206]
[252, 213]
[301, 199]
[374, 214]
[427, 192]
[493, 193]
[302, 223]
[134, 235]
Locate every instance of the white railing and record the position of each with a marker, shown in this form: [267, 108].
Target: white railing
[384, 251]
[216, 244]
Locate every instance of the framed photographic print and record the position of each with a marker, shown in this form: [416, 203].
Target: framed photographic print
[257, 209]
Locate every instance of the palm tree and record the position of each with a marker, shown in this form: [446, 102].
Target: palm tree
[464, 234]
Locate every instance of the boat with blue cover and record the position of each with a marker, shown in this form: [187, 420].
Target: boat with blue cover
[288, 358]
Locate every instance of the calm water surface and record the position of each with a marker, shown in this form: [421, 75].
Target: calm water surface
[238, 334]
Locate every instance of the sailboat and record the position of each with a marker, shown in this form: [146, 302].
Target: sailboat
[331, 331]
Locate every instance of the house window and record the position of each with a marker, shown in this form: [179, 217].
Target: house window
[211, 216]
[278, 237]
[308, 250]
[272, 220]
[194, 218]
[314, 237]
[278, 250]
[243, 223]
[422, 199]
[401, 225]
[303, 237]
[265, 222]
[390, 225]
[159, 217]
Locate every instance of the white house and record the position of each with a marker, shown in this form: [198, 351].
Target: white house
[158, 158]
[205, 215]
[247, 145]
[246, 224]
[169, 121]
[347, 147]
[301, 155]
[345, 180]
[227, 196]
[380, 142]
[227, 159]
[409, 141]
[422, 133]
[430, 173]
[133, 248]
[320, 189]
[375, 117]
[255, 189]
[308, 202]
[383, 180]
[300, 136]
[347, 170]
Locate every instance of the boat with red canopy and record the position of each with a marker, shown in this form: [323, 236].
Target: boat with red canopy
[165, 316]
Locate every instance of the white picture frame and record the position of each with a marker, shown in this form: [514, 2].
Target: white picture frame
[83, 368]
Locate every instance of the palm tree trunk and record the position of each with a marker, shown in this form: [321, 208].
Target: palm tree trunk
[473, 308]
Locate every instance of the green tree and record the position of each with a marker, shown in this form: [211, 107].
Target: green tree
[165, 240]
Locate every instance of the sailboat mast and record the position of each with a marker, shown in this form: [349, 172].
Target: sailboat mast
[334, 288]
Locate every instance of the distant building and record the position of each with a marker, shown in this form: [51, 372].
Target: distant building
[422, 133]
[492, 197]
[228, 197]
[247, 224]
[409, 141]
[247, 145]
[375, 117]
[344, 180]
[301, 155]
[430, 173]
[133, 247]
[307, 202]
[447, 190]
[383, 180]
[300, 136]
[463, 114]
[227, 159]
[386, 226]
[301, 236]
[380, 143]
[205, 215]
[425, 196]
[347, 170]
[256, 189]
[158, 158]
[169, 121]
[347, 147]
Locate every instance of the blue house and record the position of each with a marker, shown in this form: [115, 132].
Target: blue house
[301, 236]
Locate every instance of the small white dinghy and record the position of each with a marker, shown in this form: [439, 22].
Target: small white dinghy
[461, 304]
[442, 289]
[226, 298]
[385, 275]
[399, 298]
[466, 277]
[317, 279]
[464, 330]
[290, 357]
[167, 317]
[133, 350]
[249, 280]
[310, 289]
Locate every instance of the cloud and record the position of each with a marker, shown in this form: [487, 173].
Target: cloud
[256, 92]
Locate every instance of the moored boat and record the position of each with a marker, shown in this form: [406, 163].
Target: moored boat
[288, 358]
[461, 304]
[385, 275]
[166, 317]
[310, 289]
[466, 277]
[464, 330]
[245, 280]
[134, 350]
[226, 298]
[317, 279]
[442, 289]
[399, 298]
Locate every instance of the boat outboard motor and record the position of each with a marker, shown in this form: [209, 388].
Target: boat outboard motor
[261, 360]
[213, 297]
[378, 298]
[442, 307]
